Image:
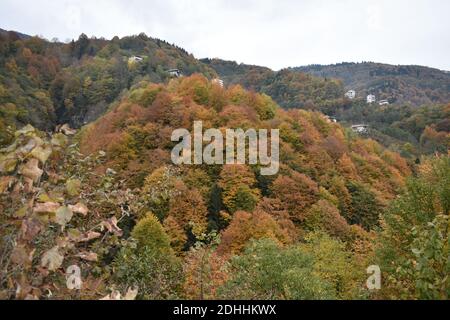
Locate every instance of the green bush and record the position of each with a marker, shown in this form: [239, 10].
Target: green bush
[149, 264]
[265, 271]
[150, 233]
[414, 247]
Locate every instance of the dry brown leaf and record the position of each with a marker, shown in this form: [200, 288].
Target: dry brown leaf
[88, 256]
[79, 208]
[52, 259]
[47, 207]
[6, 183]
[27, 185]
[42, 153]
[31, 170]
[21, 256]
[30, 229]
[91, 235]
[23, 287]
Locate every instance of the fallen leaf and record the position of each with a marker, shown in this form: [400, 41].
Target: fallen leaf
[74, 234]
[30, 229]
[47, 207]
[26, 149]
[28, 185]
[44, 197]
[79, 208]
[73, 187]
[31, 170]
[8, 165]
[59, 140]
[63, 216]
[91, 235]
[22, 212]
[42, 153]
[21, 256]
[23, 287]
[52, 259]
[9, 148]
[25, 130]
[88, 256]
[6, 183]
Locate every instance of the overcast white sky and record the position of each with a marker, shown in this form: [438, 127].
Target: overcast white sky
[273, 33]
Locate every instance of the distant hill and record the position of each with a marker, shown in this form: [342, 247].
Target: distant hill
[20, 35]
[416, 85]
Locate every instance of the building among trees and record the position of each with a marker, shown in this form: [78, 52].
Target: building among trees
[371, 98]
[218, 82]
[135, 59]
[360, 128]
[351, 94]
[174, 73]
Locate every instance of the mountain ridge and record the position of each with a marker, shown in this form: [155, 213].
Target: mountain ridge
[410, 84]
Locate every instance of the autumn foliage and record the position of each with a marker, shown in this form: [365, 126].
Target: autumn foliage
[196, 231]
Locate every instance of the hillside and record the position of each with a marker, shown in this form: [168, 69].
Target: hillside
[111, 202]
[405, 126]
[415, 85]
[45, 84]
[289, 89]
[103, 212]
[409, 130]
[15, 33]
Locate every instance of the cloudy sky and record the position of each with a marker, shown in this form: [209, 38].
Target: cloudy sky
[273, 33]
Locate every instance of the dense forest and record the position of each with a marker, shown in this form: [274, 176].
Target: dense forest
[406, 129]
[49, 83]
[288, 88]
[105, 204]
[415, 122]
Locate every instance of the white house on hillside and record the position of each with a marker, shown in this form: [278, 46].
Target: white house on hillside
[174, 73]
[135, 59]
[351, 94]
[360, 128]
[371, 98]
[218, 82]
